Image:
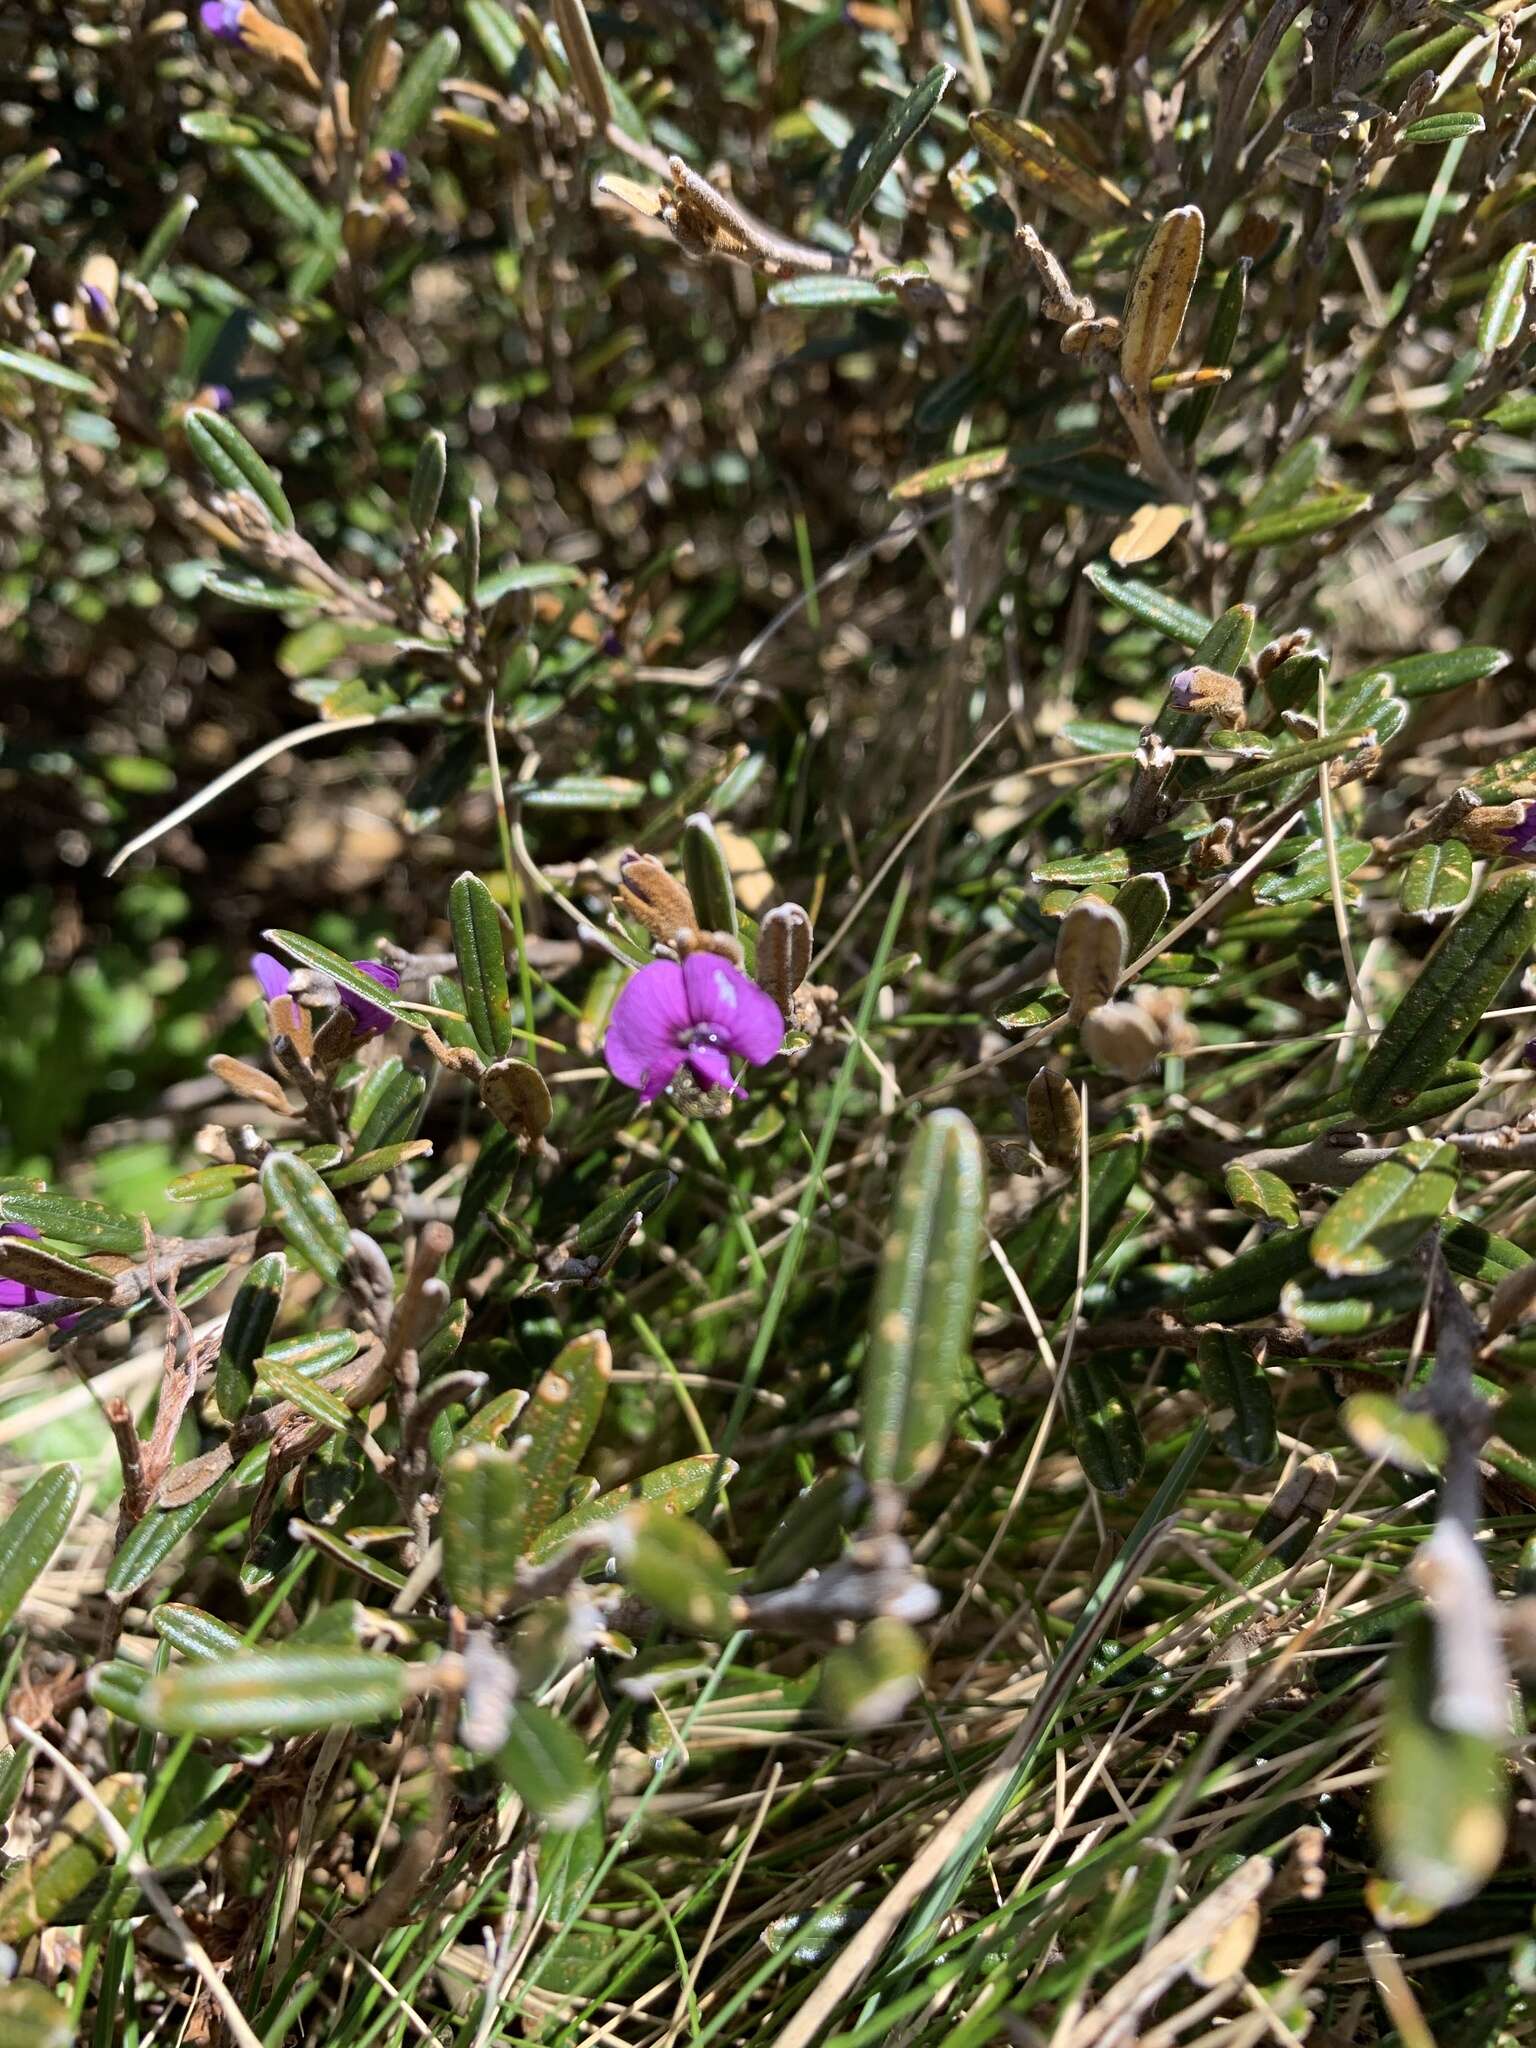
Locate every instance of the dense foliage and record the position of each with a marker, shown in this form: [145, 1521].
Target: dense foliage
[766, 1188]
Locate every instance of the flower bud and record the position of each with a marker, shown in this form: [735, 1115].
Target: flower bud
[1494, 829]
[1269, 658]
[1209, 694]
[656, 899]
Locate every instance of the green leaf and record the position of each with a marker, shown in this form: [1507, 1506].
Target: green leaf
[1297, 470]
[1262, 1194]
[1464, 972]
[208, 1183]
[1226, 319]
[583, 793]
[598, 1229]
[1313, 515]
[1503, 313]
[902, 125]
[86, 1224]
[1440, 128]
[498, 35]
[416, 95]
[246, 1330]
[1044, 1252]
[151, 1540]
[1377, 1222]
[388, 1105]
[342, 972]
[679, 1488]
[679, 1569]
[1352, 1304]
[1166, 615]
[811, 292]
[234, 464]
[924, 1300]
[872, 1681]
[277, 1692]
[545, 1764]
[562, 1413]
[1143, 903]
[484, 1527]
[707, 873]
[33, 1531]
[1301, 758]
[1102, 1425]
[282, 191]
[477, 943]
[304, 1210]
[287, 1383]
[317, 1355]
[366, 1166]
[202, 1637]
[32, 2017]
[1426, 675]
[1440, 1804]
[43, 370]
[1249, 1285]
[1242, 1409]
[525, 576]
[1383, 1427]
[46, 1888]
[427, 480]
[1481, 1255]
[1437, 880]
[811, 1533]
[1308, 880]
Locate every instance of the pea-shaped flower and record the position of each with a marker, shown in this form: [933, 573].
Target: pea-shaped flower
[368, 1020]
[703, 1011]
[18, 1293]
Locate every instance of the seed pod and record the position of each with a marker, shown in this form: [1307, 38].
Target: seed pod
[1090, 337]
[656, 899]
[783, 955]
[1122, 1040]
[1493, 829]
[1055, 1117]
[1090, 953]
[1160, 295]
[517, 1095]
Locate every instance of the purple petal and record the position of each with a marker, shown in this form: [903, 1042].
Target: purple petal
[713, 1068]
[272, 974]
[16, 1293]
[369, 1019]
[645, 1042]
[224, 19]
[744, 1017]
[1522, 837]
[1182, 689]
[19, 1230]
[218, 397]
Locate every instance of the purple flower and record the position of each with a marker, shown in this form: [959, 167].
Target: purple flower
[216, 397]
[99, 306]
[396, 168]
[1521, 838]
[1182, 689]
[702, 1011]
[225, 20]
[16, 1293]
[368, 1020]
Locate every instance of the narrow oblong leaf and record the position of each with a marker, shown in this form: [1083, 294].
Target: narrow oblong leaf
[1377, 1222]
[1103, 1426]
[202, 1637]
[45, 1890]
[305, 1211]
[1440, 128]
[246, 1330]
[1426, 675]
[1166, 615]
[1032, 157]
[1503, 313]
[44, 370]
[477, 944]
[679, 1488]
[415, 96]
[561, 1414]
[1249, 1285]
[86, 1224]
[342, 972]
[484, 1527]
[388, 1105]
[234, 464]
[1261, 1193]
[1312, 515]
[32, 2016]
[903, 124]
[679, 1569]
[277, 1692]
[152, 1539]
[1220, 342]
[1437, 880]
[920, 1316]
[871, 1682]
[1459, 980]
[287, 1383]
[1351, 1304]
[33, 1531]
[545, 1763]
[1045, 1250]
[1242, 1408]
[707, 873]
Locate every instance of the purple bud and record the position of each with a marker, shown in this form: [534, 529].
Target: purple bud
[396, 169]
[1181, 690]
[98, 304]
[216, 397]
[224, 20]
[1521, 838]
